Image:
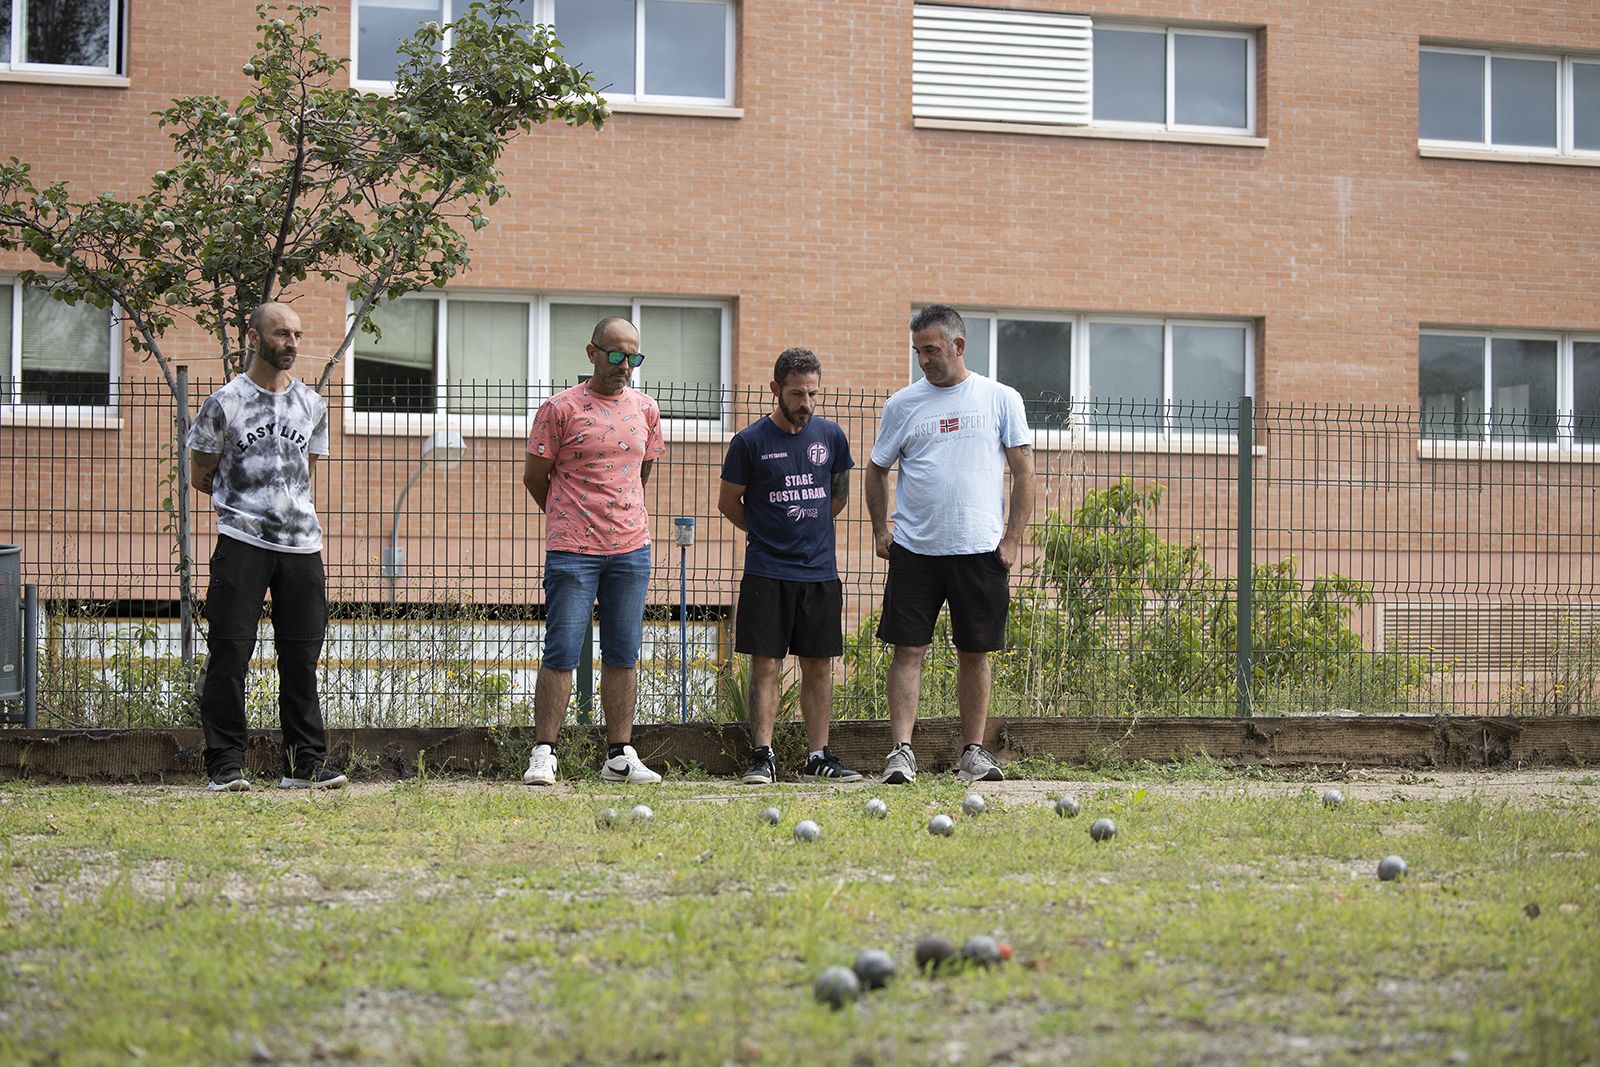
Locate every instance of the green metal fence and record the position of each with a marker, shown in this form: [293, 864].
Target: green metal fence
[1395, 564]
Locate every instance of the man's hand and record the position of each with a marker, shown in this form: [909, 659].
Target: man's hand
[881, 542]
[1010, 549]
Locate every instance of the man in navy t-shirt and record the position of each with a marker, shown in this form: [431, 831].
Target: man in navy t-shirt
[784, 479]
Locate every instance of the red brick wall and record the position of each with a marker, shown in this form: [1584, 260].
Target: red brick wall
[825, 215]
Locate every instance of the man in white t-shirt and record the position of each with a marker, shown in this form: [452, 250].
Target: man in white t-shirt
[253, 447]
[954, 434]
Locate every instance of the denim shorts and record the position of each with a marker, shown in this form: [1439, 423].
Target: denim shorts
[573, 581]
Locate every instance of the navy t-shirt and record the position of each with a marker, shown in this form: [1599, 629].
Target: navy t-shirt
[788, 496]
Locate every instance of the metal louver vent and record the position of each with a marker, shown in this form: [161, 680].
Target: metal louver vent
[988, 65]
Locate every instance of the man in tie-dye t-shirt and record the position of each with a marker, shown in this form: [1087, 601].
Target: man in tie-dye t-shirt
[253, 447]
[589, 455]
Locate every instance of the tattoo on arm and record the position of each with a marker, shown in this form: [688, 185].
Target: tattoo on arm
[841, 485]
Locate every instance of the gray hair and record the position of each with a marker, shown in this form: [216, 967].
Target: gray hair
[947, 318]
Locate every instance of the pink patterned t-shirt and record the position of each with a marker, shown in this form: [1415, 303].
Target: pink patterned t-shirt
[597, 443]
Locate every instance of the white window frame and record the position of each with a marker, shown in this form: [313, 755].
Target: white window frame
[1564, 445]
[477, 424]
[543, 11]
[1082, 433]
[1565, 134]
[17, 411]
[116, 36]
[1171, 124]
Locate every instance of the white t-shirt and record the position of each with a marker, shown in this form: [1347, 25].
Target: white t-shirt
[262, 489]
[951, 446]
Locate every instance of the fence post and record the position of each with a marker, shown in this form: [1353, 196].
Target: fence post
[585, 676]
[1243, 603]
[30, 656]
[185, 563]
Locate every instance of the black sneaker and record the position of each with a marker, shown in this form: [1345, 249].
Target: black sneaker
[228, 782]
[321, 778]
[763, 768]
[827, 768]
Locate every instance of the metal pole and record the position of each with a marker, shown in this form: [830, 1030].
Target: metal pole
[683, 535]
[1244, 604]
[683, 633]
[30, 656]
[393, 565]
[586, 676]
[185, 557]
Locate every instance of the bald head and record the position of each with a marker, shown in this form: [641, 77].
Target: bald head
[274, 334]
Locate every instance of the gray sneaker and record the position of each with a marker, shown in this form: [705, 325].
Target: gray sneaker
[901, 766]
[978, 765]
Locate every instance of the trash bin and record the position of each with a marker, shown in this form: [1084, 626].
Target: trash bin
[11, 672]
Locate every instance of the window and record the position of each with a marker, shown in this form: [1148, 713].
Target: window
[1040, 67]
[663, 51]
[1511, 102]
[496, 355]
[1174, 78]
[54, 354]
[1155, 376]
[1505, 386]
[62, 36]
[650, 51]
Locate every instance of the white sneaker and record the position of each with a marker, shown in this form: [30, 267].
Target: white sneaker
[541, 766]
[628, 768]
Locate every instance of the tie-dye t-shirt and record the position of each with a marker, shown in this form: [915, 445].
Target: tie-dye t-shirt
[596, 501]
[262, 490]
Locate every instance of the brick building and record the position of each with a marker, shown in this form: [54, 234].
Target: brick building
[1310, 201]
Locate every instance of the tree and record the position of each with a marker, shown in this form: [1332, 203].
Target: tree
[305, 176]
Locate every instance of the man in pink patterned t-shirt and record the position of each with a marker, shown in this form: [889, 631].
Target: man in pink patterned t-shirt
[589, 454]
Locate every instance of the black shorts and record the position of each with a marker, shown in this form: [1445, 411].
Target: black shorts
[978, 588]
[777, 617]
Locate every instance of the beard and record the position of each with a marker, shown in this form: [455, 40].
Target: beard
[797, 419]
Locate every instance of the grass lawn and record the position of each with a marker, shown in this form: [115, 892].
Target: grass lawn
[1231, 920]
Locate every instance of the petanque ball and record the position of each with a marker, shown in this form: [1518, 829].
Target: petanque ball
[974, 804]
[642, 813]
[941, 826]
[874, 967]
[877, 808]
[605, 817]
[1391, 868]
[1067, 806]
[934, 952]
[771, 816]
[836, 987]
[806, 830]
[1103, 830]
[1332, 798]
[980, 950]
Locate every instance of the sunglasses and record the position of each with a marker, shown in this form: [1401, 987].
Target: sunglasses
[616, 359]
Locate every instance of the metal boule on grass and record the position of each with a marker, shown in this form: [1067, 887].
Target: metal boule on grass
[934, 952]
[836, 987]
[877, 809]
[974, 804]
[642, 813]
[941, 826]
[605, 817]
[770, 816]
[806, 830]
[1103, 829]
[1391, 868]
[874, 967]
[1332, 798]
[981, 950]
[1067, 806]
